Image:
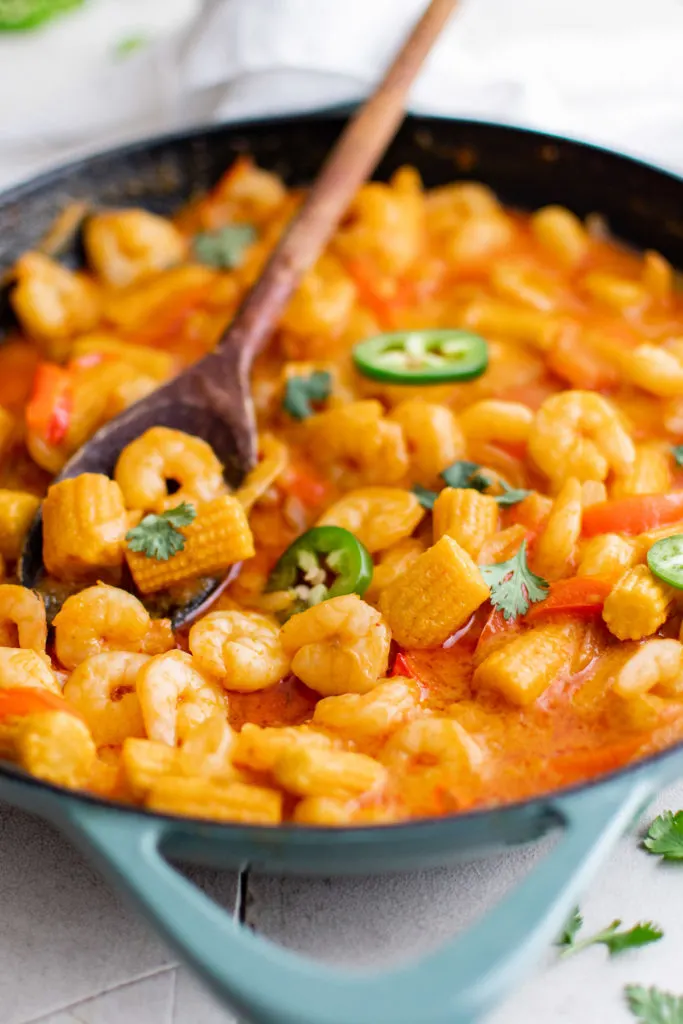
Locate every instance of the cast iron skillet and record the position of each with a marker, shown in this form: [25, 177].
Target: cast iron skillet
[462, 980]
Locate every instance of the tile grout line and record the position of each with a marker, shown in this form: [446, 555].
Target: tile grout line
[242, 895]
[156, 972]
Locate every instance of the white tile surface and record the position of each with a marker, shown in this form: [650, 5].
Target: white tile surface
[194, 1005]
[65, 936]
[149, 1001]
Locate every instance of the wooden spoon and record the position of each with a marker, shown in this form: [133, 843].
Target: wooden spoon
[212, 398]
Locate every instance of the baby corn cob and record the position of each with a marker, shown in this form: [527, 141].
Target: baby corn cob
[435, 595]
[638, 604]
[525, 667]
[221, 801]
[467, 516]
[218, 537]
[84, 525]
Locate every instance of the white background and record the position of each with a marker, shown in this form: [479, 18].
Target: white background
[609, 70]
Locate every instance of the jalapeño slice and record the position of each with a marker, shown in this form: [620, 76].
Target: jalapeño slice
[422, 357]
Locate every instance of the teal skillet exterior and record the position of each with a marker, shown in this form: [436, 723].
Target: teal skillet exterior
[263, 983]
[266, 984]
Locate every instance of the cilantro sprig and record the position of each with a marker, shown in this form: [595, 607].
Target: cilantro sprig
[652, 1006]
[616, 941]
[514, 587]
[301, 392]
[159, 536]
[470, 476]
[665, 836]
[677, 452]
[224, 248]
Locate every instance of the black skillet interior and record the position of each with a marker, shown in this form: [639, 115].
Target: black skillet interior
[526, 169]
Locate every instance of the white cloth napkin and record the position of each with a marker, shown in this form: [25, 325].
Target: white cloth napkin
[606, 70]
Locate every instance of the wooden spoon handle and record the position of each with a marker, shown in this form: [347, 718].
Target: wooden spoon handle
[353, 158]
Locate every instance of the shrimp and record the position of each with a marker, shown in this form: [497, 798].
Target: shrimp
[578, 433]
[103, 689]
[242, 649]
[433, 741]
[339, 646]
[175, 697]
[127, 246]
[20, 668]
[161, 455]
[99, 619]
[378, 516]
[657, 663]
[22, 619]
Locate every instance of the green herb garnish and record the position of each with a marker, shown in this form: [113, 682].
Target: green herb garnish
[652, 1006]
[513, 585]
[130, 44]
[511, 495]
[21, 15]
[224, 248]
[665, 836]
[425, 496]
[158, 536]
[642, 934]
[301, 392]
[677, 452]
[464, 474]
[570, 930]
[470, 475]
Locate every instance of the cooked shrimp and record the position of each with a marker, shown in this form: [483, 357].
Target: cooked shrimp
[242, 649]
[22, 619]
[174, 697]
[578, 433]
[125, 246]
[103, 689]
[99, 619]
[338, 646]
[656, 664]
[19, 668]
[161, 455]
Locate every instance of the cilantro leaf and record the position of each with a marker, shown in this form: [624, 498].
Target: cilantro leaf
[425, 496]
[465, 474]
[302, 391]
[642, 934]
[616, 941]
[130, 44]
[571, 929]
[652, 1006]
[677, 452]
[665, 836]
[224, 248]
[513, 585]
[158, 536]
[511, 495]
[469, 475]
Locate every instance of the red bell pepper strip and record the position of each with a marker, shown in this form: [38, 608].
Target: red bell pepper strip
[401, 667]
[50, 406]
[18, 701]
[578, 596]
[634, 514]
[301, 481]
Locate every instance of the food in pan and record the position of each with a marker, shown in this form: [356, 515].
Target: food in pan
[461, 549]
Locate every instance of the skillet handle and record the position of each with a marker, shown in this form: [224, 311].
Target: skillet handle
[267, 984]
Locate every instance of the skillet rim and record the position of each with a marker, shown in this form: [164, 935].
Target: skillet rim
[548, 802]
